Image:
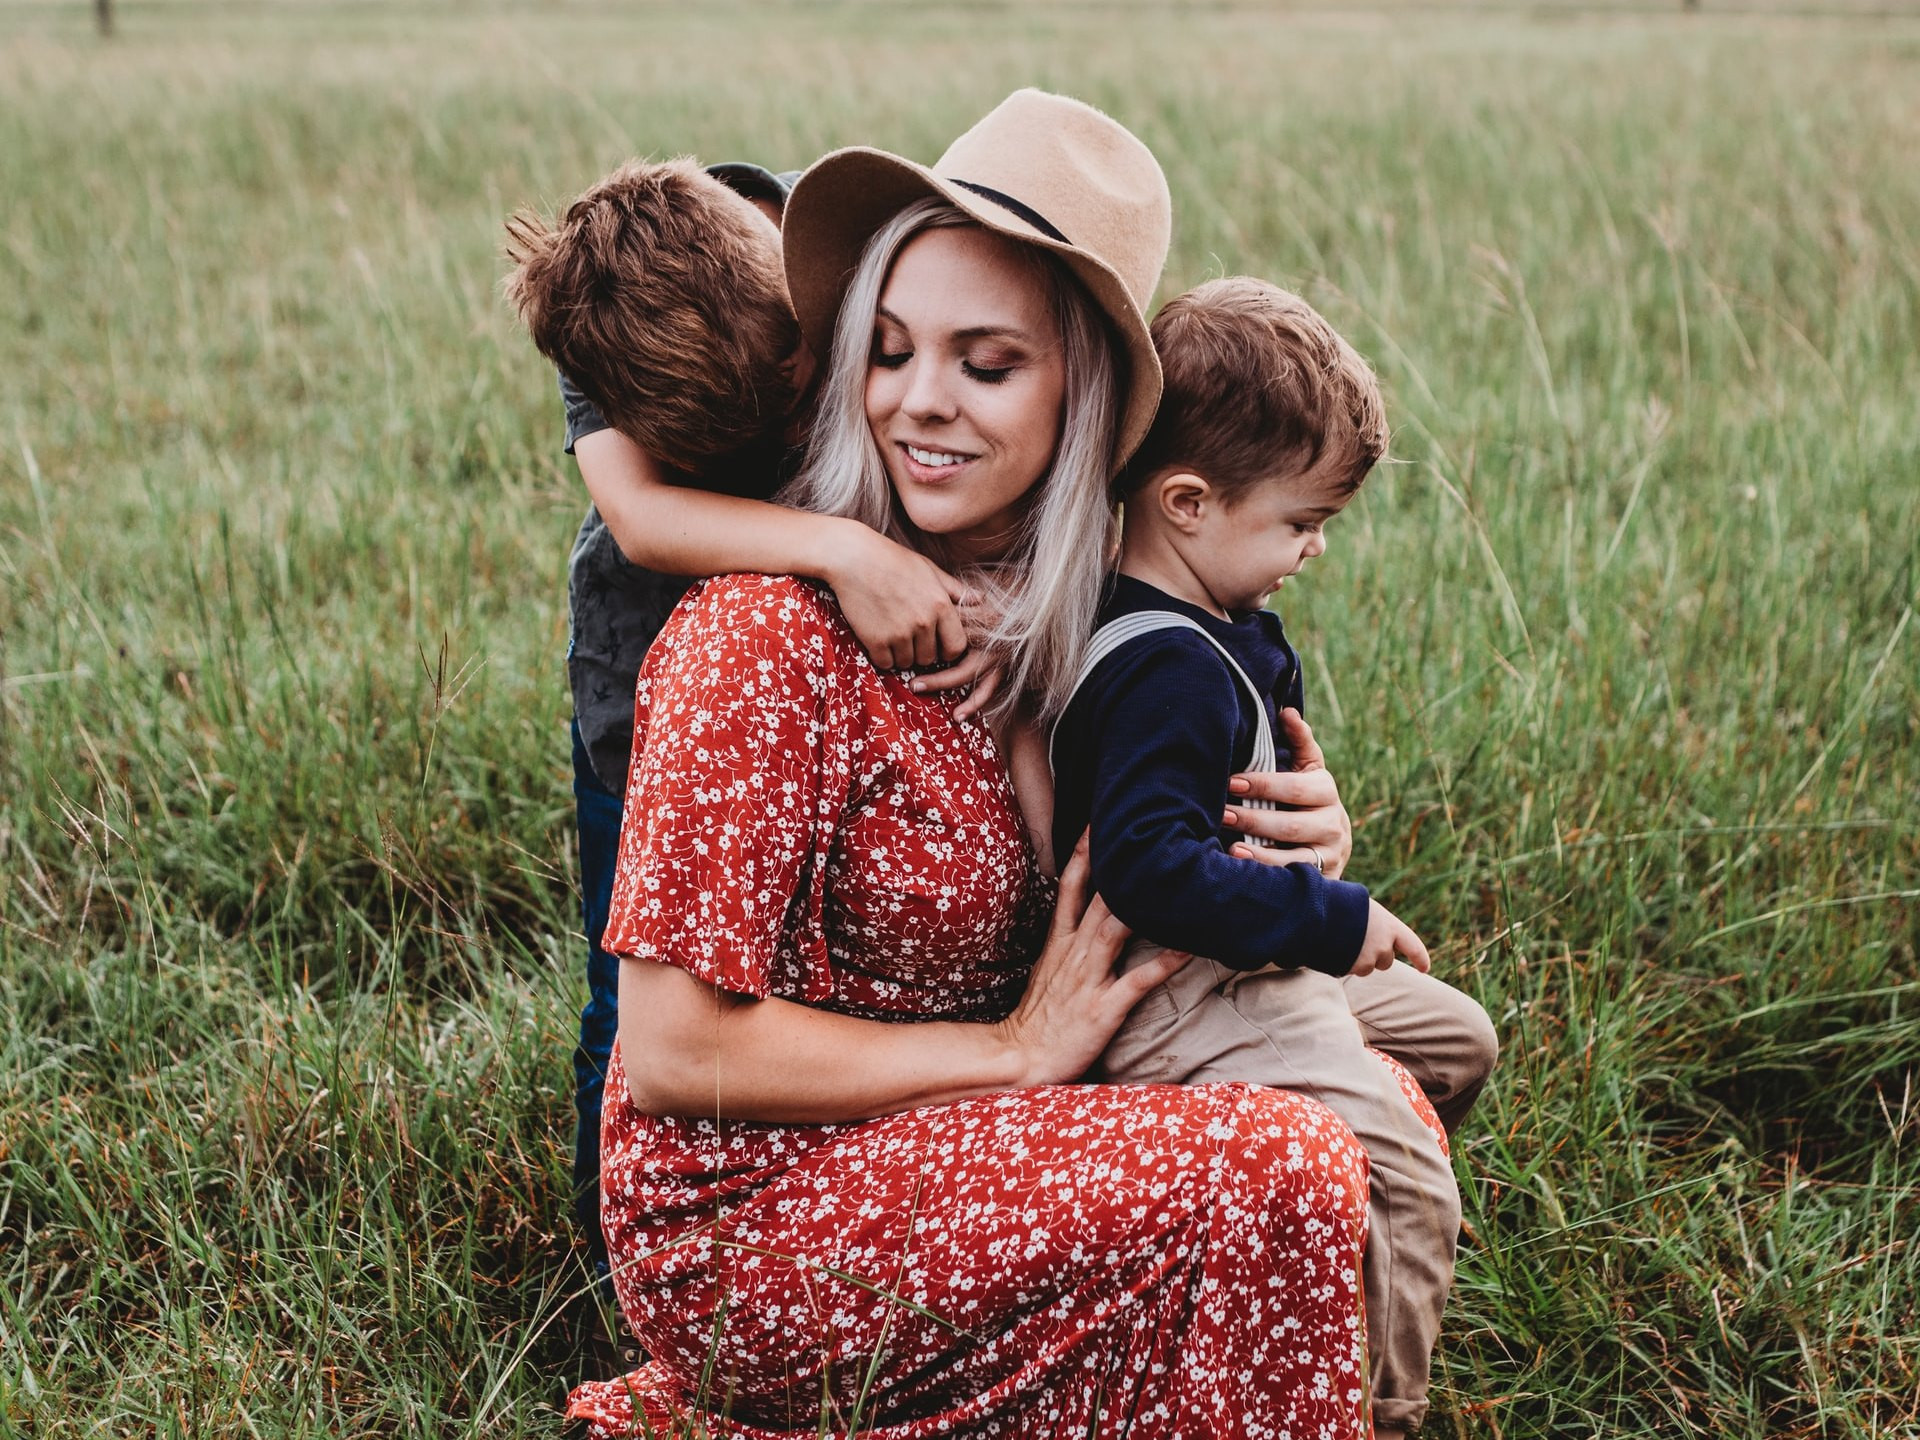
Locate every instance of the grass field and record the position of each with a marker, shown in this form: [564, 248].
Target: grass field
[1619, 664]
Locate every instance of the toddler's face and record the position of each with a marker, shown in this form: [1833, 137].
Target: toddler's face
[1249, 548]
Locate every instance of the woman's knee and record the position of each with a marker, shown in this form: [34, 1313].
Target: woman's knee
[1287, 1154]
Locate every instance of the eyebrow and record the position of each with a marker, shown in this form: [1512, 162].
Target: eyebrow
[1320, 512]
[972, 332]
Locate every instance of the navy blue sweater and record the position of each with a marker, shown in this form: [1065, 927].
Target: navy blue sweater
[1143, 755]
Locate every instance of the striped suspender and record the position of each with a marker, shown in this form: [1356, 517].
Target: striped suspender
[1115, 633]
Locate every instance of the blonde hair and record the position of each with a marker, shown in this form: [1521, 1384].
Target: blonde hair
[1046, 589]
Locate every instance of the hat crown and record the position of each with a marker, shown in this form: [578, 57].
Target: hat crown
[1080, 171]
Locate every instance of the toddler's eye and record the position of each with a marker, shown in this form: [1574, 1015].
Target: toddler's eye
[986, 375]
[1312, 529]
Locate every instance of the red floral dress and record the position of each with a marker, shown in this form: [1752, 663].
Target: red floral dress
[1157, 1262]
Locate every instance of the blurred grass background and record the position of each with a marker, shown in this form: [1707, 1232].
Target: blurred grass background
[1617, 665]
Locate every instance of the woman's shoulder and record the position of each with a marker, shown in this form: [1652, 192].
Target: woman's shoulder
[785, 599]
[777, 617]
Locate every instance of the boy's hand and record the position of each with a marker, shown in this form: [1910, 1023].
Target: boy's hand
[903, 608]
[1387, 936]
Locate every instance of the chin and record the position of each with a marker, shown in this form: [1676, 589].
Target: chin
[936, 519]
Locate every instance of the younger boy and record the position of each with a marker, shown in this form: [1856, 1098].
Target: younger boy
[1269, 424]
[660, 296]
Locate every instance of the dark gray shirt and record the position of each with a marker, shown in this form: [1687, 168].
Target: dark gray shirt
[617, 607]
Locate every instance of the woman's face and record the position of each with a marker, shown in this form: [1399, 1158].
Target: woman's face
[966, 385]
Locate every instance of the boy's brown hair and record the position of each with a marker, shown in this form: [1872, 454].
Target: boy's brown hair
[1258, 384]
[660, 293]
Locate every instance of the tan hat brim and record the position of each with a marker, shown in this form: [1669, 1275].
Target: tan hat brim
[844, 199]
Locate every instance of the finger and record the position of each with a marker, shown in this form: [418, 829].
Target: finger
[1108, 929]
[1075, 881]
[1362, 966]
[1308, 789]
[1300, 742]
[982, 695]
[926, 647]
[1160, 966]
[950, 633]
[882, 657]
[1295, 829]
[1267, 855]
[1415, 951]
[962, 672]
[958, 591]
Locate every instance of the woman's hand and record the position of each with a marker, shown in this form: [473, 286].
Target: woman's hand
[1314, 827]
[1074, 1001]
[981, 668]
[904, 609]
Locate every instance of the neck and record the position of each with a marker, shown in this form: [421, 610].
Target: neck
[1148, 553]
[968, 548]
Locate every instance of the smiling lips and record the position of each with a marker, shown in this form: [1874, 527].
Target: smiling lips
[927, 465]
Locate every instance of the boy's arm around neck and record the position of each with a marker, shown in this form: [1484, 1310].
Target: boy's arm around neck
[682, 530]
[903, 607]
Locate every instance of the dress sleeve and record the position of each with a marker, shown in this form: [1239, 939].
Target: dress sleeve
[740, 774]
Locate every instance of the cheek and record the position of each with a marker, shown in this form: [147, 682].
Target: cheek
[1034, 415]
[882, 394]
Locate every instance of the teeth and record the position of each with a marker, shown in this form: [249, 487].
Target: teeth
[935, 457]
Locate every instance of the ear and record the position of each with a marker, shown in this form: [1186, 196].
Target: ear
[1183, 498]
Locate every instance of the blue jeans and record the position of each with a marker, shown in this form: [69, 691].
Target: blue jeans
[597, 812]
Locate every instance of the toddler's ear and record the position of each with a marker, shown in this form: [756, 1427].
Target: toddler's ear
[1183, 498]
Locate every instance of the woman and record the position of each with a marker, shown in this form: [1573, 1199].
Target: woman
[846, 1178]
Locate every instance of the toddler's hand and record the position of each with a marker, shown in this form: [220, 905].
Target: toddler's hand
[903, 608]
[1388, 935]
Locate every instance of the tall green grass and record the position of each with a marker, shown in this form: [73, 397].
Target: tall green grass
[1618, 664]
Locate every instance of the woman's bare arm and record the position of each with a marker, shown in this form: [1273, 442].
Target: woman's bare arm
[692, 1050]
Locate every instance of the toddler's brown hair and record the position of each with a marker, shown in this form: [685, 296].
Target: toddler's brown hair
[1257, 384]
[660, 293]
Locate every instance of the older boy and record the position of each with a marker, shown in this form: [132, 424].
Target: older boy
[1269, 424]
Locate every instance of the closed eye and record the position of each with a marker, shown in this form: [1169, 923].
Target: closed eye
[986, 375]
[891, 360]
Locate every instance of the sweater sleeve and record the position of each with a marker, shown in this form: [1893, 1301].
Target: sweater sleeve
[1165, 718]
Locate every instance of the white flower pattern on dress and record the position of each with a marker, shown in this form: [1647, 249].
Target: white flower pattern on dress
[1157, 1262]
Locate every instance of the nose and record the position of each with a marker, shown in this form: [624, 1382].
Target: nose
[1316, 545]
[929, 394]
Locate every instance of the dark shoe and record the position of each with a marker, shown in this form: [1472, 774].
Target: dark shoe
[609, 1349]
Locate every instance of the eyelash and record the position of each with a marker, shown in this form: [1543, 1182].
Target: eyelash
[996, 375]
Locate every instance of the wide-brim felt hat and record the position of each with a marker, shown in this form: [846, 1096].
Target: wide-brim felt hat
[1045, 169]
